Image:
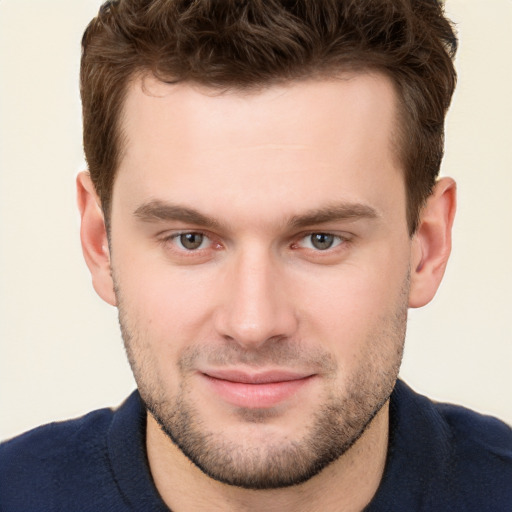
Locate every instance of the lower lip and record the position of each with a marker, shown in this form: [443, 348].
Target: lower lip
[256, 396]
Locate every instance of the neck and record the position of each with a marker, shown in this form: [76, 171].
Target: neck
[347, 485]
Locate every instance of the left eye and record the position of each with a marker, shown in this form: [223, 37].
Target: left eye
[320, 241]
[191, 241]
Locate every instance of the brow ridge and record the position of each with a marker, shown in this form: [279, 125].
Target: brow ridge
[157, 210]
[336, 212]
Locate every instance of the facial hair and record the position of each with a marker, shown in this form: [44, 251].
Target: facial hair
[338, 422]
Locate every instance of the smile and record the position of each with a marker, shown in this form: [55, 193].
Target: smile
[256, 390]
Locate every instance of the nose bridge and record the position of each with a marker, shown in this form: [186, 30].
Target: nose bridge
[255, 308]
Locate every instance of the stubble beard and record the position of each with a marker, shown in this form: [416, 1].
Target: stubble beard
[275, 463]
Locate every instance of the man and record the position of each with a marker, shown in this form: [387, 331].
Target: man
[262, 206]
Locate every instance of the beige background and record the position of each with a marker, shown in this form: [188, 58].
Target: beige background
[60, 350]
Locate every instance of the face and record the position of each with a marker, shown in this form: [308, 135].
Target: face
[260, 254]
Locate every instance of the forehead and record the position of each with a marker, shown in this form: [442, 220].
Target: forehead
[349, 97]
[309, 141]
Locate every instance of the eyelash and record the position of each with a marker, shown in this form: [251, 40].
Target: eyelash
[339, 240]
[174, 238]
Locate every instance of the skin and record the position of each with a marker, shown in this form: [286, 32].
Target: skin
[254, 175]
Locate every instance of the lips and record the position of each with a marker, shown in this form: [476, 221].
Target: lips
[255, 390]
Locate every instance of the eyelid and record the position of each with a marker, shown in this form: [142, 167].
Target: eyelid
[169, 234]
[203, 241]
[342, 237]
[171, 237]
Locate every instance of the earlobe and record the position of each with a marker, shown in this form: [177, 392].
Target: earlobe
[432, 243]
[93, 235]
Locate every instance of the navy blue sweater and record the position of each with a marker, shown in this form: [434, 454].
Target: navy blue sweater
[441, 458]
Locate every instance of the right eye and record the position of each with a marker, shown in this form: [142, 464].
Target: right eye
[191, 241]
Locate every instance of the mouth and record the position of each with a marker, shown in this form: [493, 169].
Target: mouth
[256, 390]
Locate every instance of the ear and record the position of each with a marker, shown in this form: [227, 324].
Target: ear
[93, 235]
[432, 243]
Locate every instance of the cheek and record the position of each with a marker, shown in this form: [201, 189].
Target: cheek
[351, 304]
[167, 303]
[162, 314]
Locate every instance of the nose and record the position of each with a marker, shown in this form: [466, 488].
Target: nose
[255, 306]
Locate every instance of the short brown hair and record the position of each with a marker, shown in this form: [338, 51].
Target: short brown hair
[245, 44]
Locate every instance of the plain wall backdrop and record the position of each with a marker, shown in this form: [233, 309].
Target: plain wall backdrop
[61, 353]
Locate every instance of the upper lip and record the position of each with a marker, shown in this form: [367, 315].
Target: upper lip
[261, 377]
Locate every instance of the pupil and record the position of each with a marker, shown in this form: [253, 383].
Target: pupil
[322, 240]
[191, 240]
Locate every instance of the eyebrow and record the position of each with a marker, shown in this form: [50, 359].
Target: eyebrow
[161, 211]
[157, 210]
[336, 212]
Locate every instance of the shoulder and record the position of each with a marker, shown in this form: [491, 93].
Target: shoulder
[97, 462]
[463, 427]
[54, 438]
[462, 458]
[481, 443]
[37, 466]
[482, 429]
